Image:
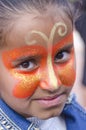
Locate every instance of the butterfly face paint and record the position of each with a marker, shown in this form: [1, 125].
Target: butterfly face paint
[62, 30]
[65, 67]
[26, 71]
[40, 66]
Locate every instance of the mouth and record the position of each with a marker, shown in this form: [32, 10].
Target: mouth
[52, 101]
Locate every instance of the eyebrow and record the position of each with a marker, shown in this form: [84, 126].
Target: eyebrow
[65, 47]
[23, 59]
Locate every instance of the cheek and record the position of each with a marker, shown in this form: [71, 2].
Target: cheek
[25, 86]
[67, 75]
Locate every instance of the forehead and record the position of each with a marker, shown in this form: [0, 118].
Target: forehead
[34, 22]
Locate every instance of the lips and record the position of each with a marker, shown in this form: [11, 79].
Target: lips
[51, 97]
[52, 101]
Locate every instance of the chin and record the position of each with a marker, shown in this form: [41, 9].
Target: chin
[49, 115]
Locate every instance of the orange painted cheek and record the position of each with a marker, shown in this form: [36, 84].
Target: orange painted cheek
[26, 85]
[67, 75]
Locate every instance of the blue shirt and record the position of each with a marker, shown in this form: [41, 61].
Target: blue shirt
[10, 120]
[75, 116]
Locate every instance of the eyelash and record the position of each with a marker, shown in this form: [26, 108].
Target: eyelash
[62, 56]
[28, 65]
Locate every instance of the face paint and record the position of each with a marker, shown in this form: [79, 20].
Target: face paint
[22, 53]
[67, 75]
[66, 71]
[28, 81]
[60, 29]
[26, 86]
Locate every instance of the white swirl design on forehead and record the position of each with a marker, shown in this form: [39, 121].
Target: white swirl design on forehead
[62, 31]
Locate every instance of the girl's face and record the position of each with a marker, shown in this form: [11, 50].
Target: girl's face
[37, 66]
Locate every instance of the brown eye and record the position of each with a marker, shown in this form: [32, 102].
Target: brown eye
[25, 64]
[62, 56]
[28, 65]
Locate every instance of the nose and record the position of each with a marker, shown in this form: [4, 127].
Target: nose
[50, 83]
[50, 80]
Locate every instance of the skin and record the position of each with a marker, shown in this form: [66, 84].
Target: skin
[28, 70]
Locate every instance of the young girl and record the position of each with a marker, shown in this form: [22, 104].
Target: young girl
[37, 68]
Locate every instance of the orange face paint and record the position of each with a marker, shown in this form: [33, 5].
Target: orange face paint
[26, 86]
[66, 71]
[67, 75]
[28, 81]
[18, 53]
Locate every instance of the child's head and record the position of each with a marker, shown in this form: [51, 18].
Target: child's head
[37, 68]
